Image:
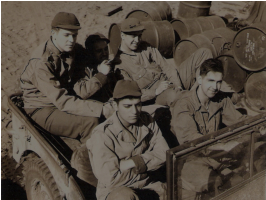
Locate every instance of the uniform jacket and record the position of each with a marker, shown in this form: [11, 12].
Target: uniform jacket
[52, 78]
[190, 120]
[148, 68]
[111, 142]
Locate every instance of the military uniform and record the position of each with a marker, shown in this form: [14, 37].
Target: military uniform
[191, 120]
[55, 88]
[111, 142]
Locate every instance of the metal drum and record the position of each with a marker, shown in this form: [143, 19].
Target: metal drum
[191, 9]
[158, 34]
[234, 76]
[152, 11]
[218, 41]
[187, 47]
[255, 90]
[249, 47]
[185, 28]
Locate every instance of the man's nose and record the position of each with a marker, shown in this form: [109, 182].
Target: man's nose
[134, 110]
[71, 38]
[136, 39]
[215, 86]
[104, 52]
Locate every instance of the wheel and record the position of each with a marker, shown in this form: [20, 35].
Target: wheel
[39, 182]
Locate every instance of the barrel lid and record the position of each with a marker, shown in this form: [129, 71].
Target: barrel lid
[249, 47]
[255, 90]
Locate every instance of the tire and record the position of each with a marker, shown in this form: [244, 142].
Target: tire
[39, 182]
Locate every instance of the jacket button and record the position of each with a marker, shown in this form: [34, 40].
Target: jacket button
[140, 76]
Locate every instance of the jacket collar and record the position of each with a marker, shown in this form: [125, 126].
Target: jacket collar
[120, 132]
[56, 53]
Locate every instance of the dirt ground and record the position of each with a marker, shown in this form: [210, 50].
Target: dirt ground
[26, 24]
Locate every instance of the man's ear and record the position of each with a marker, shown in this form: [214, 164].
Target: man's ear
[53, 32]
[199, 79]
[115, 106]
[122, 35]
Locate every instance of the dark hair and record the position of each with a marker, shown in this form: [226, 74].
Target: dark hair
[92, 39]
[211, 65]
[56, 29]
[125, 97]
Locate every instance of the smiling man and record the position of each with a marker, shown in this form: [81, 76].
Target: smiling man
[204, 109]
[159, 81]
[126, 147]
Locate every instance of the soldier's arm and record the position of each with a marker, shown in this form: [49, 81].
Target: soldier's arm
[88, 86]
[183, 123]
[230, 115]
[155, 156]
[169, 70]
[106, 163]
[47, 83]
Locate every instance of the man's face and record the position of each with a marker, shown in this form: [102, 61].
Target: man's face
[65, 39]
[128, 110]
[211, 83]
[100, 51]
[131, 40]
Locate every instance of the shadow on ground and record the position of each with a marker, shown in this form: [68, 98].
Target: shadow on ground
[12, 191]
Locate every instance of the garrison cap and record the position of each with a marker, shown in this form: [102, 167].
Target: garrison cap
[125, 88]
[65, 20]
[131, 25]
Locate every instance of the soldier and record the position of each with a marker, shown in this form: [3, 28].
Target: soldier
[204, 109]
[97, 47]
[126, 147]
[98, 53]
[198, 112]
[55, 85]
[144, 64]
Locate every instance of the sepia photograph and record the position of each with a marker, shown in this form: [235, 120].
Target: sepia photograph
[133, 100]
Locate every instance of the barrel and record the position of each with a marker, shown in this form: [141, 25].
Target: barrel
[234, 76]
[249, 47]
[152, 11]
[255, 90]
[158, 34]
[215, 40]
[185, 28]
[192, 9]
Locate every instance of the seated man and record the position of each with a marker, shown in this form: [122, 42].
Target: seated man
[55, 85]
[204, 109]
[198, 112]
[144, 64]
[97, 50]
[126, 147]
[56, 88]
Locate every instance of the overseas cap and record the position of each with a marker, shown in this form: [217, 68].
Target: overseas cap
[125, 88]
[131, 25]
[66, 21]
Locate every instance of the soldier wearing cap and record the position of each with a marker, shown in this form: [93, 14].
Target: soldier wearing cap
[55, 86]
[145, 65]
[97, 53]
[126, 147]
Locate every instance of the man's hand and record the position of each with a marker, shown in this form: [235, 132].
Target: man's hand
[104, 67]
[162, 87]
[108, 110]
[126, 164]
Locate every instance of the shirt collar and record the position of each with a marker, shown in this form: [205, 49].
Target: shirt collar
[117, 129]
[213, 106]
